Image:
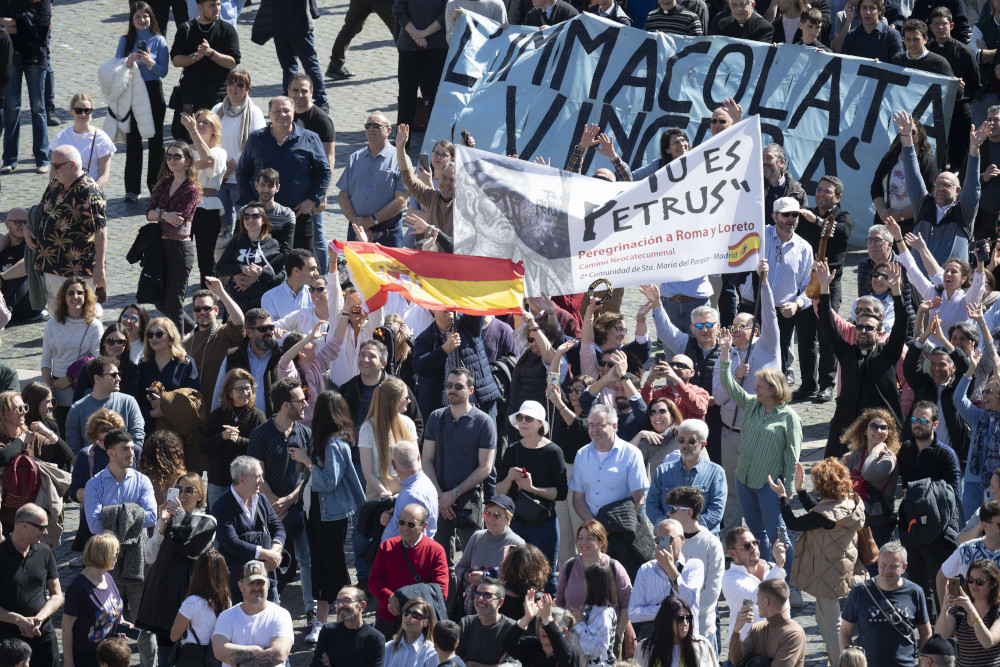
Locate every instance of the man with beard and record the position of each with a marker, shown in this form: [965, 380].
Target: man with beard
[746, 572]
[868, 367]
[13, 279]
[282, 218]
[256, 633]
[209, 343]
[482, 633]
[258, 355]
[692, 469]
[349, 641]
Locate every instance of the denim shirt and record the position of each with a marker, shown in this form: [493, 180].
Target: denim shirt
[706, 476]
[337, 483]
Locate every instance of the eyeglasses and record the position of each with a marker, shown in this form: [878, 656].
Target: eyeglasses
[411, 524]
[605, 364]
[577, 390]
[155, 334]
[114, 374]
[82, 111]
[373, 126]
[750, 546]
[203, 123]
[739, 327]
[252, 216]
[620, 329]
[238, 84]
[826, 191]
[343, 602]
[864, 328]
[42, 527]
[316, 290]
[684, 618]
[175, 156]
[659, 411]
[978, 581]
[484, 595]
[131, 319]
[186, 490]
[703, 325]
[17, 223]
[882, 428]
[242, 390]
[531, 339]
[524, 418]
[457, 386]
[920, 420]
[299, 401]
[59, 165]
[493, 515]
[875, 241]
[414, 614]
[21, 409]
[441, 155]
[115, 342]
[688, 441]
[264, 328]
[677, 364]
[202, 309]
[879, 274]
[673, 508]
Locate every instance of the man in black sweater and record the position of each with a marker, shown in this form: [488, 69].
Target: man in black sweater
[963, 63]
[916, 55]
[350, 641]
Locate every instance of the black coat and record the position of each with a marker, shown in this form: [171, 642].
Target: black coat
[562, 11]
[148, 249]
[924, 389]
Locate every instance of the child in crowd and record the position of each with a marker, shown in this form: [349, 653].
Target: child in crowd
[596, 630]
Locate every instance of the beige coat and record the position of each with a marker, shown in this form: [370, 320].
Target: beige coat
[826, 561]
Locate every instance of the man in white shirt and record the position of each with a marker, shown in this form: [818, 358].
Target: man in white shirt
[669, 573]
[291, 295]
[745, 573]
[254, 633]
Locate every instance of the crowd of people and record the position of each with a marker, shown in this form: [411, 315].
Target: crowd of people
[538, 488]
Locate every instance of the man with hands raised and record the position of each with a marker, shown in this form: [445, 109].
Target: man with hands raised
[592, 136]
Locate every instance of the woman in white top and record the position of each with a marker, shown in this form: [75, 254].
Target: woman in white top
[205, 130]
[135, 319]
[412, 647]
[384, 426]
[240, 116]
[207, 597]
[95, 146]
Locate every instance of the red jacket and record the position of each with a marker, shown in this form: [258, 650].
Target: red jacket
[389, 573]
[689, 398]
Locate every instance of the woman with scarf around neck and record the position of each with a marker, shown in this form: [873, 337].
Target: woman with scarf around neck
[153, 62]
[239, 116]
[984, 449]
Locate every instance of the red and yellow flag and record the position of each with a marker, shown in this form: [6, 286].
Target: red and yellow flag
[435, 281]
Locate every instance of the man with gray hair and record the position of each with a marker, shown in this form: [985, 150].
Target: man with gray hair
[690, 468]
[248, 528]
[416, 488]
[71, 239]
[880, 251]
[668, 573]
[886, 610]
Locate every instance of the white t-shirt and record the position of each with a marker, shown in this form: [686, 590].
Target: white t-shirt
[211, 177]
[366, 439]
[82, 142]
[260, 629]
[199, 612]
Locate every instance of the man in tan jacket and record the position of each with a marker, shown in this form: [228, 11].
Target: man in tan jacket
[777, 636]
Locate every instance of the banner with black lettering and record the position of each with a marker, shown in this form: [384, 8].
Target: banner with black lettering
[701, 214]
[527, 92]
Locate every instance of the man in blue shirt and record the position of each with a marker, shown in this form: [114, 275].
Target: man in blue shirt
[295, 153]
[690, 469]
[873, 38]
[372, 193]
[416, 487]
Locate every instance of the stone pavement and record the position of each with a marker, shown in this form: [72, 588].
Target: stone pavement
[84, 36]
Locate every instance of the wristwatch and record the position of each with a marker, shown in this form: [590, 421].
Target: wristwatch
[457, 491]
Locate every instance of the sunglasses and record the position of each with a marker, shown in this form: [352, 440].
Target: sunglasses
[115, 374]
[684, 618]
[238, 84]
[60, 165]
[202, 309]
[242, 390]
[531, 339]
[44, 527]
[414, 614]
[920, 420]
[131, 319]
[457, 386]
[21, 409]
[703, 325]
[186, 490]
[316, 290]
[251, 216]
[659, 411]
[343, 602]
[688, 441]
[879, 274]
[155, 334]
[605, 364]
[677, 364]
[524, 418]
[674, 508]
[411, 524]
[373, 126]
[879, 427]
[750, 546]
[739, 327]
[979, 581]
[483, 595]
[175, 156]
[492, 515]
[620, 329]
[864, 328]
[115, 342]
[264, 328]
[789, 216]
[82, 111]
[718, 121]
[577, 390]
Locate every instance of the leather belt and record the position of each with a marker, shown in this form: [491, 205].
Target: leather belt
[680, 298]
[209, 192]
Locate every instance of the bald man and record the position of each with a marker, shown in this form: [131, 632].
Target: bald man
[12, 272]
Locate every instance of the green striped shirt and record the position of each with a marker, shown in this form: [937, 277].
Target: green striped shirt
[769, 443]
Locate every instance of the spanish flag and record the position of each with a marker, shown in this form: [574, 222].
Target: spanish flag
[742, 249]
[435, 281]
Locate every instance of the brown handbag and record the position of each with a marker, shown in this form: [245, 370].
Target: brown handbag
[867, 549]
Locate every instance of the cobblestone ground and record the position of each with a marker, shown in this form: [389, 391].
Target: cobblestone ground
[84, 36]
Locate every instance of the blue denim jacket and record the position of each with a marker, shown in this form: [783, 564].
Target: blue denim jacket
[706, 476]
[337, 483]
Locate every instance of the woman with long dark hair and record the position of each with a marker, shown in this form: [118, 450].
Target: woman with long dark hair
[154, 60]
[973, 616]
[207, 597]
[227, 430]
[162, 461]
[49, 445]
[673, 642]
[135, 319]
[253, 259]
[546, 645]
[332, 494]
[173, 203]
[114, 345]
[522, 569]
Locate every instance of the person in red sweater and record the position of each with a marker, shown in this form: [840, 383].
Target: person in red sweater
[389, 573]
[692, 400]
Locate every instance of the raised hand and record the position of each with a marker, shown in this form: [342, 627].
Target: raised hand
[725, 342]
[800, 476]
[893, 227]
[606, 145]
[416, 223]
[402, 135]
[734, 110]
[652, 294]
[894, 276]
[904, 123]
[823, 273]
[360, 232]
[762, 269]
[545, 161]
[589, 136]
[977, 137]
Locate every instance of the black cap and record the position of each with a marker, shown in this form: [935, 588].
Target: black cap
[937, 645]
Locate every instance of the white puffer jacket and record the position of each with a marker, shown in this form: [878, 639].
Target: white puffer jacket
[126, 95]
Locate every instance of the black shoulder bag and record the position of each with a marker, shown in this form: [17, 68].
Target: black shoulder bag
[469, 506]
[528, 507]
[431, 592]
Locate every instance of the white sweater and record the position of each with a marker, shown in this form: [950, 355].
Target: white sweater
[65, 344]
[707, 548]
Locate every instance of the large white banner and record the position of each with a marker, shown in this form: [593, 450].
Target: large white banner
[527, 92]
[701, 214]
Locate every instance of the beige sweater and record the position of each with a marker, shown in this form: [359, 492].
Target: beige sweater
[779, 638]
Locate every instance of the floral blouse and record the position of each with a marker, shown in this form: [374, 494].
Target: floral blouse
[182, 202]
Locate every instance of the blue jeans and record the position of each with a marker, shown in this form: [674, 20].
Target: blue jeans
[972, 497]
[35, 76]
[357, 539]
[680, 313]
[302, 47]
[228, 194]
[762, 512]
[546, 538]
[304, 557]
[319, 243]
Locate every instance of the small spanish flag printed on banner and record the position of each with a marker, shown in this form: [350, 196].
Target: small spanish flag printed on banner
[435, 281]
[742, 249]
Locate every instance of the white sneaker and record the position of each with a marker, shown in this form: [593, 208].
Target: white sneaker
[313, 635]
[795, 598]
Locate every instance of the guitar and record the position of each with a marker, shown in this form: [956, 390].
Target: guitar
[812, 289]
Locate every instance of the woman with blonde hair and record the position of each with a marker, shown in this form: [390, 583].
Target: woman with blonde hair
[205, 130]
[227, 430]
[172, 205]
[853, 656]
[384, 426]
[93, 608]
[166, 367]
[412, 646]
[162, 461]
[72, 334]
[826, 564]
[873, 443]
[95, 146]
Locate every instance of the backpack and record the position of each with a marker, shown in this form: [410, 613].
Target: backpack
[20, 486]
[930, 509]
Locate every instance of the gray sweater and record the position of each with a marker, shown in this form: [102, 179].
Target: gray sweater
[485, 550]
[80, 412]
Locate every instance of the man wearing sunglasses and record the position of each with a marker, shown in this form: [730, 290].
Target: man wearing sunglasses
[106, 381]
[257, 354]
[209, 343]
[746, 572]
[669, 572]
[777, 636]
[481, 634]
[14, 283]
[394, 560]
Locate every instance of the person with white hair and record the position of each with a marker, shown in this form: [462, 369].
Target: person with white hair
[415, 487]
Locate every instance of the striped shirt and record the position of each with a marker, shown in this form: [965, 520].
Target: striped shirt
[677, 21]
[774, 439]
[789, 264]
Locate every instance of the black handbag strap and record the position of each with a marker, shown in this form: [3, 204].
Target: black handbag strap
[908, 635]
[409, 565]
[193, 633]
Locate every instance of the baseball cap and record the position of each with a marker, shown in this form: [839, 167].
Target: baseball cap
[254, 570]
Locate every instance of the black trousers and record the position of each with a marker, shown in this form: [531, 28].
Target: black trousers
[161, 10]
[133, 144]
[205, 229]
[812, 348]
[326, 544]
[418, 70]
[303, 232]
[354, 21]
[923, 564]
[178, 260]
[958, 137]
